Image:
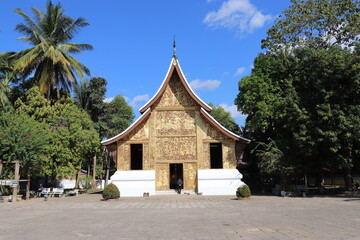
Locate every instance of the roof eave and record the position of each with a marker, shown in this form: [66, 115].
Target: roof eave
[174, 65]
[127, 131]
[222, 129]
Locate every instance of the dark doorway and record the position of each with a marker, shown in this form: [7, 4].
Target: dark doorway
[176, 172]
[136, 156]
[216, 160]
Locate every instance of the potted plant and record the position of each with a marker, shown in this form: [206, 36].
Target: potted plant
[243, 192]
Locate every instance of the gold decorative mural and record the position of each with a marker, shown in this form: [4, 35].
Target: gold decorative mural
[175, 123]
[162, 177]
[190, 176]
[175, 95]
[177, 148]
[141, 133]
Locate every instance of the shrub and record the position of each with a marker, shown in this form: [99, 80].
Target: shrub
[86, 182]
[243, 192]
[111, 192]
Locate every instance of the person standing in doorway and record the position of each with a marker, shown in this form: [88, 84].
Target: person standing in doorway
[179, 185]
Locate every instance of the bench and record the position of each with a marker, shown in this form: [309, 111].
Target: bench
[51, 193]
[73, 192]
[57, 191]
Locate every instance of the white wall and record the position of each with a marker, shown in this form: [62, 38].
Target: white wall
[219, 181]
[135, 182]
[70, 183]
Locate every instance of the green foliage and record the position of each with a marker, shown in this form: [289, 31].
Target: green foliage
[315, 24]
[90, 96]
[243, 192]
[50, 58]
[81, 94]
[111, 191]
[272, 160]
[86, 182]
[23, 138]
[8, 75]
[224, 118]
[119, 115]
[308, 101]
[73, 137]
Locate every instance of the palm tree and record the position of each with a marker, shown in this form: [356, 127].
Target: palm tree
[49, 59]
[82, 94]
[7, 75]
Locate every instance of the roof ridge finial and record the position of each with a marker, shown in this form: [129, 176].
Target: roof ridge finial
[174, 48]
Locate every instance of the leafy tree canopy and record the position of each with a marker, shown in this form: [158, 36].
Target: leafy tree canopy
[73, 137]
[23, 138]
[308, 102]
[50, 58]
[119, 115]
[224, 118]
[315, 23]
[90, 96]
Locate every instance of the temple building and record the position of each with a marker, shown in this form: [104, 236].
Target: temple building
[176, 137]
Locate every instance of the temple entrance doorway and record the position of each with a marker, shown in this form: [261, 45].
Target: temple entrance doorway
[176, 172]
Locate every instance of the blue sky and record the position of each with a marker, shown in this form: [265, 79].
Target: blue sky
[217, 42]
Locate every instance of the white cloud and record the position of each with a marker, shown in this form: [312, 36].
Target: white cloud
[205, 84]
[239, 71]
[240, 14]
[233, 111]
[139, 98]
[107, 100]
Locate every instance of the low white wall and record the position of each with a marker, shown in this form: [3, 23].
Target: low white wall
[66, 183]
[135, 182]
[219, 181]
[70, 183]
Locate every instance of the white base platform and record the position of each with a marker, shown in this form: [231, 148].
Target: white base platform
[219, 181]
[134, 183]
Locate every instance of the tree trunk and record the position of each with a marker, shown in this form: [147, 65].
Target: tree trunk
[320, 182]
[94, 173]
[27, 196]
[1, 167]
[17, 177]
[78, 176]
[107, 168]
[347, 178]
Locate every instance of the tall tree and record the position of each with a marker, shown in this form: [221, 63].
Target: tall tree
[73, 139]
[23, 138]
[307, 102]
[119, 116]
[50, 58]
[81, 94]
[316, 24]
[7, 75]
[224, 118]
[96, 107]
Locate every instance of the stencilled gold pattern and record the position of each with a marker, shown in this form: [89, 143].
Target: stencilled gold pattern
[140, 133]
[126, 156]
[181, 148]
[175, 95]
[229, 160]
[175, 123]
[190, 176]
[147, 163]
[162, 177]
